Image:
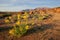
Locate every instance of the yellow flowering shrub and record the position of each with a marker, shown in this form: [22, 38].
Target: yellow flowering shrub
[6, 21]
[19, 28]
[24, 17]
[18, 23]
[10, 17]
[18, 16]
[11, 32]
[27, 27]
[33, 23]
[23, 22]
[41, 18]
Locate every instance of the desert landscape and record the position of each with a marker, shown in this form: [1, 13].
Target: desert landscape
[39, 24]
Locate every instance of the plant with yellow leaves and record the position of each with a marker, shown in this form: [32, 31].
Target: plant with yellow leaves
[19, 28]
[7, 20]
[27, 27]
[18, 23]
[11, 31]
[25, 16]
[10, 17]
[18, 16]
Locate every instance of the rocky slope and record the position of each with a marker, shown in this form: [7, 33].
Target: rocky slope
[49, 30]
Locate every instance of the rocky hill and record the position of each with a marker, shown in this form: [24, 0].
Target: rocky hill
[49, 29]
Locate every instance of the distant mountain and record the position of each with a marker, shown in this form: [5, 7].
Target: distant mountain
[46, 9]
[27, 10]
[39, 10]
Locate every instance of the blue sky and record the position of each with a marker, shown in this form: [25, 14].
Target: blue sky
[17, 5]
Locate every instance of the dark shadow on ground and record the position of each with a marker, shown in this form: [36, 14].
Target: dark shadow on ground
[5, 28]
[39, 29]
[32, 30]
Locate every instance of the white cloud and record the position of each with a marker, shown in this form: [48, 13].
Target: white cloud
[17, 5]
[15, 8]
[4, 5]
[13, 1]
[7, 3]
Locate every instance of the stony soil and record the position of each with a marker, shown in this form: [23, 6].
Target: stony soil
[50, 30]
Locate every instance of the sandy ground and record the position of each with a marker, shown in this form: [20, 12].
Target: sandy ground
[48, 31]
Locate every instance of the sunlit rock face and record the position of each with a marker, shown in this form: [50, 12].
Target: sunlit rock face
[48, 29]
[46, 10]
